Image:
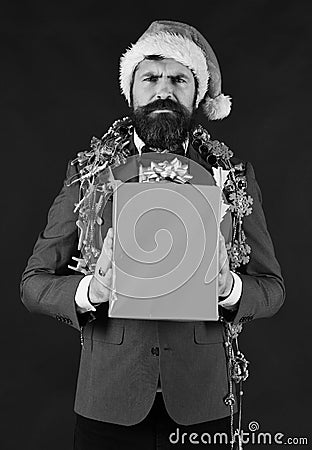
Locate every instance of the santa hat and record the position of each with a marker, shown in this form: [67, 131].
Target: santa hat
[186, 45]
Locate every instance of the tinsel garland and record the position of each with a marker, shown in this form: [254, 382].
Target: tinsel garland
[97, 183]
[112, 150]
[218, 154]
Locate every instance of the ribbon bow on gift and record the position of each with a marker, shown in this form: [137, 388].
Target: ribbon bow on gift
[174, 170]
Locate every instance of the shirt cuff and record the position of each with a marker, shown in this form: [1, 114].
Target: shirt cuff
[235, 295]
[81, 296]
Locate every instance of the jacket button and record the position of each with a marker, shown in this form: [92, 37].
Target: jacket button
[155, 351]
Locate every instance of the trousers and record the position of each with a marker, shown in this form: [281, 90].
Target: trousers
[156, 432]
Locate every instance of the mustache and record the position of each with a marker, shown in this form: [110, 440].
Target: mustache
[163, 131]
[162, 104]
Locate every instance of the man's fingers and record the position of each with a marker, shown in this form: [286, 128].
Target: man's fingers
[110, 232]
[103, 276]
[105, 285]
[100, 288]
[108, 241]
[223, 258]
[223, 265]
[103, 264]
[106, 280]
[104, 261]
[109, 237]
[221, 282]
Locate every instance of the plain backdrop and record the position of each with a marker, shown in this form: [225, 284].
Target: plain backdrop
[59, 87]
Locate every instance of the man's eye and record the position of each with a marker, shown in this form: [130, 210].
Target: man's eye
[152, 78]
[178, 80]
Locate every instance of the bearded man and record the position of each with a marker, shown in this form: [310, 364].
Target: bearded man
[148, 384]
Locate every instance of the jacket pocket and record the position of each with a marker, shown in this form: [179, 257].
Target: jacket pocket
[208, 333]
[109, 331]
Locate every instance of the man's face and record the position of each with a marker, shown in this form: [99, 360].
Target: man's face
[163, 98]
[163, 79]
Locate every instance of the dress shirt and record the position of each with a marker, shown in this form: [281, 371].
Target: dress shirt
[139, 144]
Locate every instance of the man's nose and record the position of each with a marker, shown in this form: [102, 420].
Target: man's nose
[164, 90]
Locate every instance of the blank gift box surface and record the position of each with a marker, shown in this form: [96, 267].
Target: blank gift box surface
[165, 255]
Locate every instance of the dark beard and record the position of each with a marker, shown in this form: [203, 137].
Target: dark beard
[162, 130]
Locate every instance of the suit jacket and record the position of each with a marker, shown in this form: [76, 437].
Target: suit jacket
[122, 359]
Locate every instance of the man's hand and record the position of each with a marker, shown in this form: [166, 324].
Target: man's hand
[225, 277]
[101, 281]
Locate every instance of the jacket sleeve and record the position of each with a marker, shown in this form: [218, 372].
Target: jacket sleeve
[263, 290]
[48, 286]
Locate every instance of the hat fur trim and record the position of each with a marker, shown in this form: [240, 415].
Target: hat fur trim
[218, 107]
[168, 45]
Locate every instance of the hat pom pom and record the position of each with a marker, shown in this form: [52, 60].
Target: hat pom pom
[218, 107]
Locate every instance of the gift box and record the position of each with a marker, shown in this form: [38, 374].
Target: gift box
[165, 251]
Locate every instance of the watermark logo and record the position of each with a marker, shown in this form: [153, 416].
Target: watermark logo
[253, 426]
[253, 436]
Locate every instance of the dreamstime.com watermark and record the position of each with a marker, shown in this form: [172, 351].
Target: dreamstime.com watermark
[252, 436]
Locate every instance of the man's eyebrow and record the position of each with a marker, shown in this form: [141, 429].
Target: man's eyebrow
[180, 75]
[154, 74]
[150, 74]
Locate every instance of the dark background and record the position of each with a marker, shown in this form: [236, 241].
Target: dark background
[59, 87]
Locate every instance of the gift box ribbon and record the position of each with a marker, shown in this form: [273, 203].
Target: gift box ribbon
[165, 170]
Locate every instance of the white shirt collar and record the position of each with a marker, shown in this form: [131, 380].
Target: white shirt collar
[139, 143]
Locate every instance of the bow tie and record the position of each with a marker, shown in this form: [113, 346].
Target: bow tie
[178, 151]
